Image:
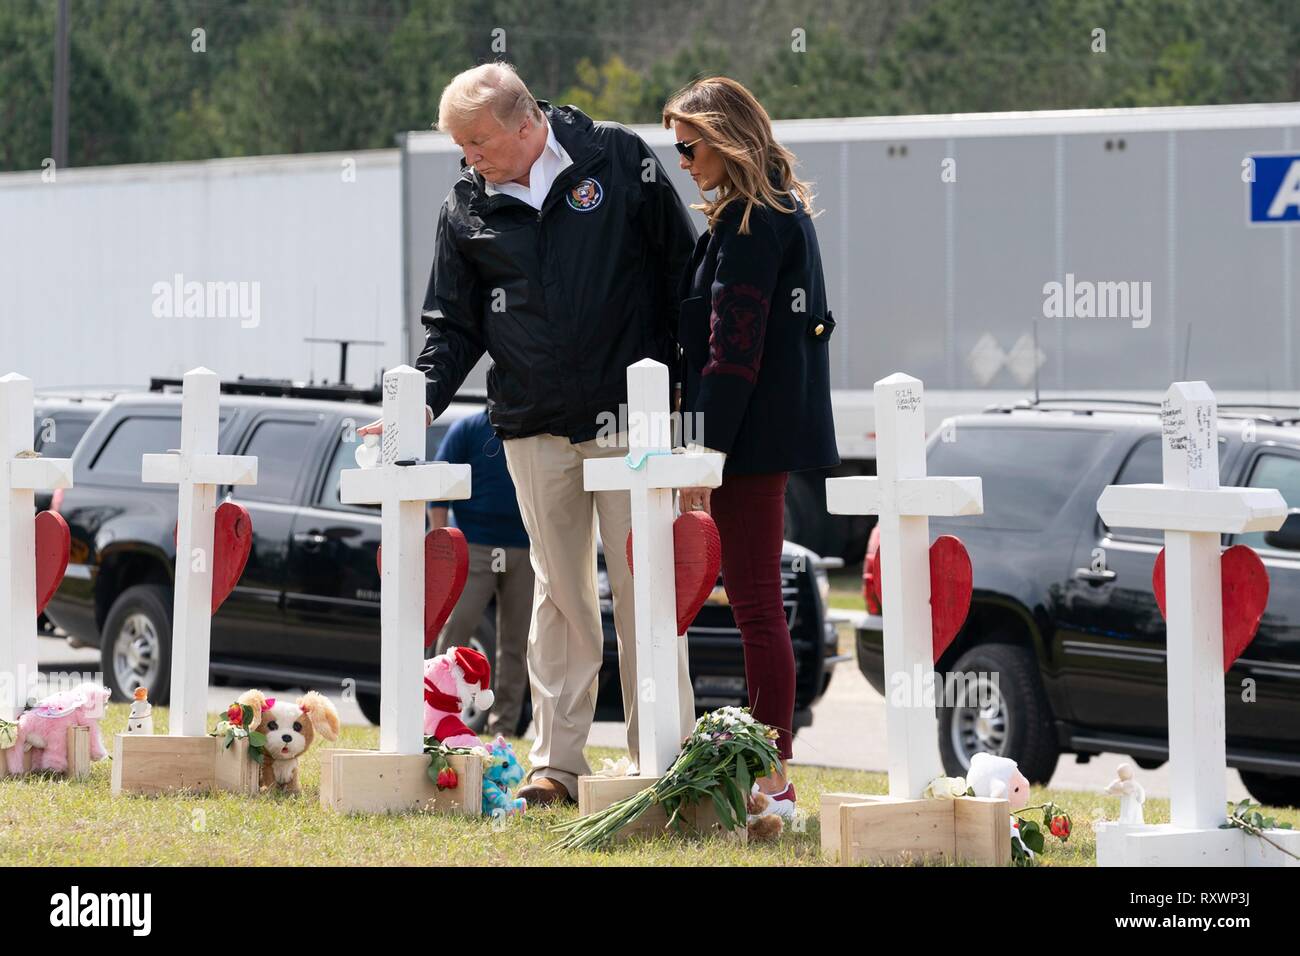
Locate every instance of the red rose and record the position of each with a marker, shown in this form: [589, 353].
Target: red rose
[235, 715]
[447, 779]
[1060, 827]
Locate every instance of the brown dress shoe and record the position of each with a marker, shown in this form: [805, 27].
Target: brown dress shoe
[544, 791]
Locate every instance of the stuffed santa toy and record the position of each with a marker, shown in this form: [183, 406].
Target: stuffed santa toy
[452, 682]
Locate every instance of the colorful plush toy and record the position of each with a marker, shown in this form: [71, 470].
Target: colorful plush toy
[453, 681]
[43, 730]
[501, 774]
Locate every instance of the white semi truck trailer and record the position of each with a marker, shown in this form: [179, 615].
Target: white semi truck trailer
[1099, 253]
[1095, 253]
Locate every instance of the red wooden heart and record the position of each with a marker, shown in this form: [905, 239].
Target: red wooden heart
[1245, 595]
[951, 586]
[52, 544]
[232, 542]
[952, 582]
[697, 555]
[446, 568]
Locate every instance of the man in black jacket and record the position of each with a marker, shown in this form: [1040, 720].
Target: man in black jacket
[557, 252]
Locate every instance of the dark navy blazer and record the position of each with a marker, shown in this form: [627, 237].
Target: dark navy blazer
[754, 329]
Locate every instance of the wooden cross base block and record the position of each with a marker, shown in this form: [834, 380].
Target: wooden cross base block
[78, 756]
[874, 828]
[148, 764]
[597, 793]
[367, 781]
[1163, 844]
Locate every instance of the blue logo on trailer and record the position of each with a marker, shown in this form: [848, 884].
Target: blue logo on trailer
[1275, 191]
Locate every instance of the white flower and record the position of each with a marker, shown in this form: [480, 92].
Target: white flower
[945, 788]
[623, 767]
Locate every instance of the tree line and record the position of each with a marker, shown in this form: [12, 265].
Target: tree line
[161, 80]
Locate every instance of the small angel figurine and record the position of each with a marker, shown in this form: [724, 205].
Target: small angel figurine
[1130, 793]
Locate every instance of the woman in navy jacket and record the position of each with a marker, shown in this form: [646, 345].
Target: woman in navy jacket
[754, 327]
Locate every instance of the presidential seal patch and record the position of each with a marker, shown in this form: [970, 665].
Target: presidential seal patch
[585, 196]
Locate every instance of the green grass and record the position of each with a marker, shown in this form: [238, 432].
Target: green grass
[846, 589]
[47, 820]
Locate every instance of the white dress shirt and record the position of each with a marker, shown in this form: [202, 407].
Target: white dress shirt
[553, 161]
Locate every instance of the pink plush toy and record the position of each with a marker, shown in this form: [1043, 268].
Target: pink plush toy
[44, 729]
[452, 681]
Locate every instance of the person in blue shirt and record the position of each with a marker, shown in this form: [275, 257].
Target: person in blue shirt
[498, 563]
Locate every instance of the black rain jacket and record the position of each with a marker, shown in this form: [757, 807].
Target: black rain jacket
[563, 299]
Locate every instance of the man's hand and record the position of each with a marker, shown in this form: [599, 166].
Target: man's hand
[377, 426]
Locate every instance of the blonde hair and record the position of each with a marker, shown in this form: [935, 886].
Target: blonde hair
[734, 123]
[492, 86]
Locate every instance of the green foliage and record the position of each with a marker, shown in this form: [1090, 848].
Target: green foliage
[271, 76]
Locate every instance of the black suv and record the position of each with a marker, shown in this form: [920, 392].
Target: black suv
[306, 611]
[60, 423]
[1063, 609]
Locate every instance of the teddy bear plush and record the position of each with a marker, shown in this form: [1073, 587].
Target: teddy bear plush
[501, 775]
[43, 730]
[453, 681]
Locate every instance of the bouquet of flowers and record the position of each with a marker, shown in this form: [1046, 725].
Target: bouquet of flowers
[239, 717]
[719, 760]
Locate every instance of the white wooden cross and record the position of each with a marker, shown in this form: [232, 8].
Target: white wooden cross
[196, 469]
[402, 492]
[20, 479]
[905, 499]
[1193, 511]
[650, 472]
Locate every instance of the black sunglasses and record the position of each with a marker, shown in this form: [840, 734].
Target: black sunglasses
[687, 149]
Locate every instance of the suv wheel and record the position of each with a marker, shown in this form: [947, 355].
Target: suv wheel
[1008, 716]
[136, 643]
[1272, 790]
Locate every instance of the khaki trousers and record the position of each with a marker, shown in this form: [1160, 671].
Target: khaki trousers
[565, 639]
[507, 574]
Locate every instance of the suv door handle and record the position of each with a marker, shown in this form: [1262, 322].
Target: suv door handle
[310, 540]
[1095, 577]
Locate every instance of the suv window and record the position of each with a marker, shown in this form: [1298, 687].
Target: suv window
[345, 457]
[1273, 471]
[1027, 474]
[133, 438]
[64, 432]
[281, 447]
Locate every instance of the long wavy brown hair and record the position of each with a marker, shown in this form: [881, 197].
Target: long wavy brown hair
[734, 123]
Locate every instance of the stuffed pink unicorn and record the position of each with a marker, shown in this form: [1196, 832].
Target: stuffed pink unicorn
[451, 682]
[44, 729]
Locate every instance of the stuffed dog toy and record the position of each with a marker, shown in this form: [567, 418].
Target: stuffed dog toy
[290, 728]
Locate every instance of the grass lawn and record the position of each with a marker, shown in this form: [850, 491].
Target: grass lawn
[846, 589]
[47, 820]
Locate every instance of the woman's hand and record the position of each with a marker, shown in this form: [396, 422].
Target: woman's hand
[377, 426]
[695, 499]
